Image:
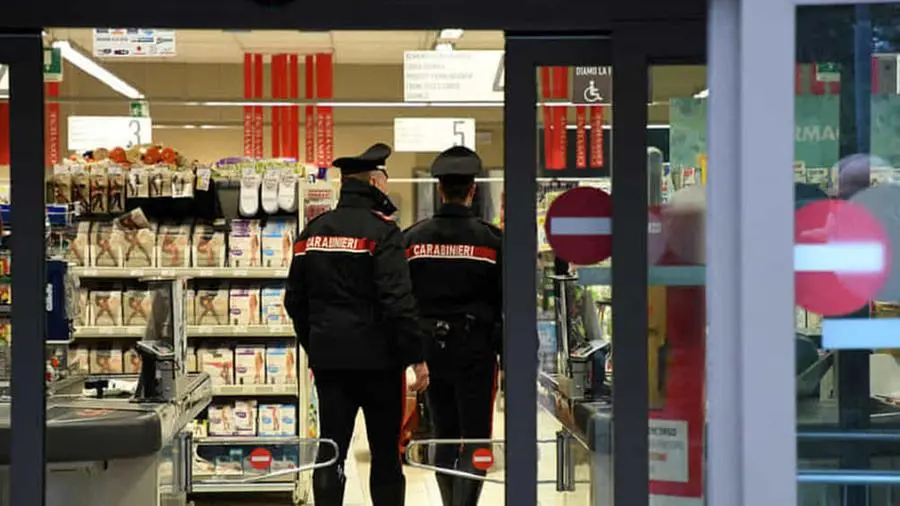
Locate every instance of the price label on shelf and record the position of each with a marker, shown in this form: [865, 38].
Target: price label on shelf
[433, 135]
[91, 132]
[206, 273]
[240, 273]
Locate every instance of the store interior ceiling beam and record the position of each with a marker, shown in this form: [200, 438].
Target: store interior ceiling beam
[88, 65]
[356, 104]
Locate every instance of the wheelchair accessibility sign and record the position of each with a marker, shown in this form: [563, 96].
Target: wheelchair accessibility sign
[592, 85]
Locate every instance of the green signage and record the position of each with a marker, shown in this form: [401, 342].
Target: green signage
[140, 109]
[53, 67]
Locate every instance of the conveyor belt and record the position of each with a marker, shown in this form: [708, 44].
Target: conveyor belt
[85, 430]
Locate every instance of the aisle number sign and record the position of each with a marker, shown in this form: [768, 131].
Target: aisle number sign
[453, 76]
[433, 135]
[92, 132]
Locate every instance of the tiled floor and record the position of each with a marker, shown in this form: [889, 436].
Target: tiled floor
[421, 486]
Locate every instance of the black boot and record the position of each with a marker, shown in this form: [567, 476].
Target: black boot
[388, 494]
[445, 485]
[328, 487]
[466, 492]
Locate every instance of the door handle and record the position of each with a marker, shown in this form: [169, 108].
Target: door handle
[565, 462]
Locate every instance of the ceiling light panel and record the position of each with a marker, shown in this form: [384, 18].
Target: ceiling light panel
[451, 34]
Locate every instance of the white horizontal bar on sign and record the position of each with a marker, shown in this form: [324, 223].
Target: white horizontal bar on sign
[844, 258]
[860, 334]
[580, 226]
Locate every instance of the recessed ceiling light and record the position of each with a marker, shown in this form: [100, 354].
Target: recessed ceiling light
[451, 33]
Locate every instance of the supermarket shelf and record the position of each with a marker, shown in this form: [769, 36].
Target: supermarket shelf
[91, 332]
[240, 330]
[187, 272]
[247, 440]
[260, 486]
[107, 332]
[250, 390]
[692, 275]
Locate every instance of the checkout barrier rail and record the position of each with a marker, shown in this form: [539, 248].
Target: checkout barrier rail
[294, 470]
[565, 463]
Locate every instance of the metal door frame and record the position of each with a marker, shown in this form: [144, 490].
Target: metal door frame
[23, 52]
[630, 50]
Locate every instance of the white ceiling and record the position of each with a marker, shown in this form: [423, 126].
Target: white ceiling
[357, 47]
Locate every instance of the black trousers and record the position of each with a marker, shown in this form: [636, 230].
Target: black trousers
[461, 400]
[381, 396]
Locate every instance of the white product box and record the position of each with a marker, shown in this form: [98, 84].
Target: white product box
[208, 247]
[106, 360]
[244, 306]
[211, 306]
[106, 308]
[245, 417]
[83, 316]
[221, 420]
[243, 244]
[269, 420]
[139, 247]
[79, 359]
[288, 414]
[280, 364]
[218, 363]
[249, 365]
[190, 308]
[278, 243]
[106, 245]
[192, 359]
[273, 312]
[173, 246]
[131, 362]
[136, 306]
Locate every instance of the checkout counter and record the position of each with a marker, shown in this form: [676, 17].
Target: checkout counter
[122, 441]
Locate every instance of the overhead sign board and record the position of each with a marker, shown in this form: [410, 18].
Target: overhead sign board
[433, 135]
[92, 132]
[453, 76]
[133, 42]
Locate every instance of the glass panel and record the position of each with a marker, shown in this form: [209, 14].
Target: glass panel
[5, 281]
[676, 169]
[847, 245]
[573, 269]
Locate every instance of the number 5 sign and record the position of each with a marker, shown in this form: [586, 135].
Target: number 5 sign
[433, 135]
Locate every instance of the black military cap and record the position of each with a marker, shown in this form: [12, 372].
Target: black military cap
[456, 161]
[371, 159]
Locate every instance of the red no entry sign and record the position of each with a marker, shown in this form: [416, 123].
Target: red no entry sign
[579, 225]
[260, 458]
[841, 257]
[482, 459]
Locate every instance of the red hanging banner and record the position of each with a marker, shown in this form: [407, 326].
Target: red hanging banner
[561, 91]
[293, 68]
[310, 113]
[580, 137]
[285, 122]
[52, 127]
[258, 109]
[325, 120]
[248, 109]
[4, 132]
[275, 82]
[596, 137]
[547, 117]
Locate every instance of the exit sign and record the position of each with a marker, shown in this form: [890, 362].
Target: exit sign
[53, 68]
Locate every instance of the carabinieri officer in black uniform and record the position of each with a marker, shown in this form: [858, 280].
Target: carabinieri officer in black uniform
[350, 298]
[454, 259]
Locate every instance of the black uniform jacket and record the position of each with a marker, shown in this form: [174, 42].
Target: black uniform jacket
[455, 262]
[348, 290]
